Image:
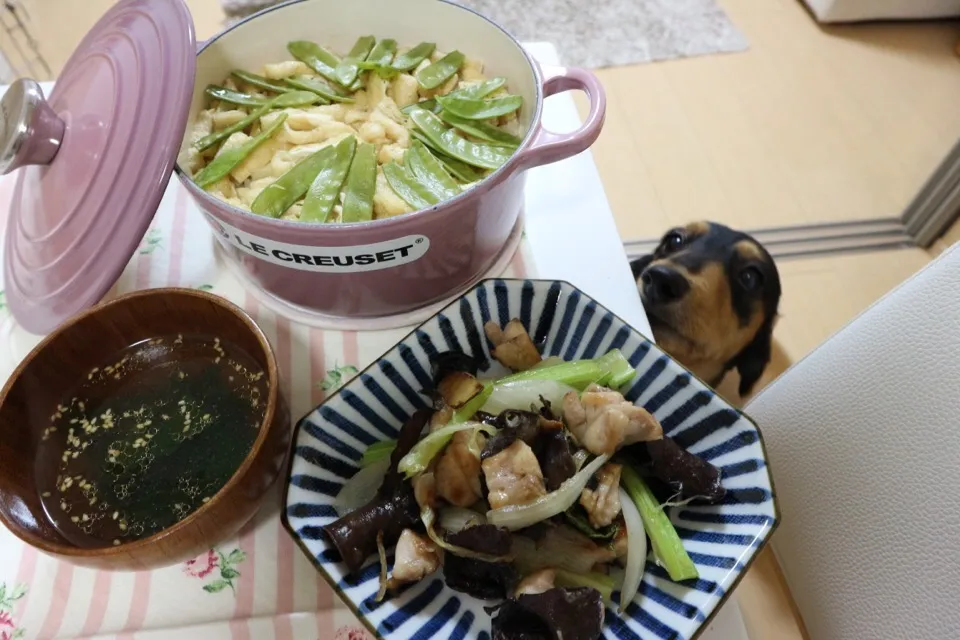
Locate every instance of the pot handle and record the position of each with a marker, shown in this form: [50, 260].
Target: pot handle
[547, 146]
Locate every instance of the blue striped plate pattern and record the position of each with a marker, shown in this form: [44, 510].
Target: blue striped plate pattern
[721, 539]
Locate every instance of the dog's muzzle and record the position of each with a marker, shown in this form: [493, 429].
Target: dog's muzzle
[661, 285]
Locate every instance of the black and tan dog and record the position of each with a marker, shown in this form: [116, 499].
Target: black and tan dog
[711, 294]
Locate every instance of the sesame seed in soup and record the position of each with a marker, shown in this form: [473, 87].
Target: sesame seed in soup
[149, 436]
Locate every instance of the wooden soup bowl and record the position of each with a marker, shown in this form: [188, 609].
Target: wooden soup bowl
[48, 372]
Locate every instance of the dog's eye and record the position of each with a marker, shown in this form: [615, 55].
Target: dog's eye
[751, 278]
[673, 241]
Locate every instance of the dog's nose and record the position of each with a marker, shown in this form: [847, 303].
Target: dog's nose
[663, 284]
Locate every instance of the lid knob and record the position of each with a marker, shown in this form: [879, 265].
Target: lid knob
[30, 132]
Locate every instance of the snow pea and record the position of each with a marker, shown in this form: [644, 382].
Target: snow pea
[479, 90]
[461, 170]
[386, 72]
[289, 99]
[382, 53]
[360, 186]
[436, 74]
[480, 129]
[316, 85]
[403, 183]
[428, 170]
[284, 100]
[348, 68]
[323, 192]
[380, 58]
[315, 57]
[208, 141]
[417, 134]
[411, 58]
[258, 81]
[484, 156]
[233, 97]
[430, 105]
[428, 143]
[294, 99]
[480, 109]
[280, 195]
[224, 163]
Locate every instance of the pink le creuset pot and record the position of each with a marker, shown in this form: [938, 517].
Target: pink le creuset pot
[94, 159]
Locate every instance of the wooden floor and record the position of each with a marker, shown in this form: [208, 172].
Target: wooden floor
[809, 125]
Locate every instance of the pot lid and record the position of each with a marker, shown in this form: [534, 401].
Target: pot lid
[93, 159]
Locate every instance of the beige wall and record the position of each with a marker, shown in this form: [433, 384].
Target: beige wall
[59, 25]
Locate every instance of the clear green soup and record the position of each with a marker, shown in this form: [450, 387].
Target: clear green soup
[148, 437]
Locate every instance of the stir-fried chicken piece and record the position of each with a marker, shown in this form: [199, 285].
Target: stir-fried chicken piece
[603, 502]
[458, 387]
[513, 476]
[573, 412]
[602, 420]
[513, 347]
[425, 490]
[458, 470]
[536, 582]
[416, 557]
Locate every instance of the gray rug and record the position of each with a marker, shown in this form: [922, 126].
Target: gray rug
[602, 33]
[609, 33]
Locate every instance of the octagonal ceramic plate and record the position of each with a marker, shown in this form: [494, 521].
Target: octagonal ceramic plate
[721, 539]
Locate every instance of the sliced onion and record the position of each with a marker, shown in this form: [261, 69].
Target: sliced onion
[580, 457]
[521, 394]
[382, 552]
[636, 550]
[456, 519]
[362, 487]
[428, 517]
[560, 548]
[515, 517]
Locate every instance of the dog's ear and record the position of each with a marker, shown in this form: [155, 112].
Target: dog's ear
[639, 264]
[754, 358]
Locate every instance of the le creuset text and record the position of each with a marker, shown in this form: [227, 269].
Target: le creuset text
[330, 261]
[381, 255]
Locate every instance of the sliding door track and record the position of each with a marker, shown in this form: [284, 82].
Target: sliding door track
[815, 240]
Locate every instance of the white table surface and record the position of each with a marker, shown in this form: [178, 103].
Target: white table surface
[570, 226]
[571, 235]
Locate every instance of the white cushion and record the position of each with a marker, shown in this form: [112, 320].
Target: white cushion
[857, 10]
[863, 439]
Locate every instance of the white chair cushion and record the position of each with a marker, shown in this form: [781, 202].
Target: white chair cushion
[863, 438]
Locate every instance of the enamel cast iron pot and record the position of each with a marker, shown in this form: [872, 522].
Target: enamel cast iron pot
[94, 159]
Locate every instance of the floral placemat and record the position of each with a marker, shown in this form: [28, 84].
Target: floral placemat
[258, 586]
